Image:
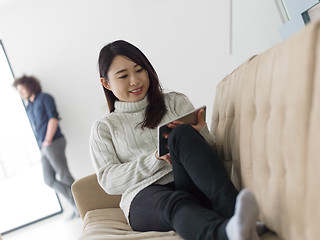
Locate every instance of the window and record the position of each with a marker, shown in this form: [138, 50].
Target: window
[24, 198]
[299, 14]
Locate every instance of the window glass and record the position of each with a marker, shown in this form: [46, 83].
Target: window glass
[24, 198]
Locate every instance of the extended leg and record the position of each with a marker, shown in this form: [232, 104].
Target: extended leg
[161, 208]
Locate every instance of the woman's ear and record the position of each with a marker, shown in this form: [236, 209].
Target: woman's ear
[105, 83]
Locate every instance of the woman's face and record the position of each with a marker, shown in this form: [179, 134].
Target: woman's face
[128, 81]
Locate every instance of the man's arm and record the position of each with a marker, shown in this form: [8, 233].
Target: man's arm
[51, 131]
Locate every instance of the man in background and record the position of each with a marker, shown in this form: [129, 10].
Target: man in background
[44, 119]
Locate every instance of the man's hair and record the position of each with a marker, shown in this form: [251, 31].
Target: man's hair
[29, 82]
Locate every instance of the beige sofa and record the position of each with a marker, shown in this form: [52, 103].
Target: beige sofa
[266, 121]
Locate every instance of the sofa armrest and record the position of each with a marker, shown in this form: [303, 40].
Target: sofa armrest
[88, 195]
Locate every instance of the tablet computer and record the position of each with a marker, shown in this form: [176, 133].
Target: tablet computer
[188, 118]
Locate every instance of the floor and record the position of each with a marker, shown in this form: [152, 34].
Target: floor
[56, 227]
[53, 228]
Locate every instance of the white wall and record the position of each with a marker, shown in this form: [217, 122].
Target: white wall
[255, 27]
[58, 41]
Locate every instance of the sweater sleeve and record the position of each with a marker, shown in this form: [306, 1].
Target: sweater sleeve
[182, 104]
[114, 176]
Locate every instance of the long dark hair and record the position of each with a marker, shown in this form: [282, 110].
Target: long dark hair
[156, 108]
[29, 82]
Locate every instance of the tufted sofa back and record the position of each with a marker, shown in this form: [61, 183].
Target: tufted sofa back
[266, 120]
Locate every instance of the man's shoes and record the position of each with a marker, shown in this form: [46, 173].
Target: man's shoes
[74, 214]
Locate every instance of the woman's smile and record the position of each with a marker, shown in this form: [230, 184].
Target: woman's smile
[137, 90]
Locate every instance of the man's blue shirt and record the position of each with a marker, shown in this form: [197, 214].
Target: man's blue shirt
[40, 111]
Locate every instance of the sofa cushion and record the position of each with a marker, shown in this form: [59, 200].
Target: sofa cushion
[104, 224]
[270, 236]
[110, 223]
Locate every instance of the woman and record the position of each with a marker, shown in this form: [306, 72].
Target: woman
[187, 190]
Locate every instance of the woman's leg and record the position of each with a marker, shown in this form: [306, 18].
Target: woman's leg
[197, 166]
[161, 208]
[242, 225]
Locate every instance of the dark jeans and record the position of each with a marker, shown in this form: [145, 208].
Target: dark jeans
[199, 203]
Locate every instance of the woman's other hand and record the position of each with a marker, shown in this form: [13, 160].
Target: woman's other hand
[201, 122]
[199, 126]
[166, 157]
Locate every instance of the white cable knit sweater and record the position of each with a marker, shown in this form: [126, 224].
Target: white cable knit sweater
[123, 153]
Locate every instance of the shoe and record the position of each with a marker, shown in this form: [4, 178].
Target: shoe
[74, 214]
[261, 228]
